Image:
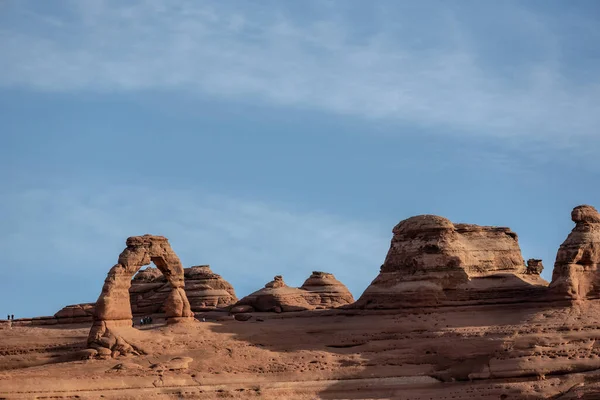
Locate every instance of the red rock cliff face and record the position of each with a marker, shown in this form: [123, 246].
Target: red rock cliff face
[433, 262]
[576, 275]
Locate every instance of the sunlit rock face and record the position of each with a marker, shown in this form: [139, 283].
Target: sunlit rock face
[576, 274]
[434, 262]
[320, 291]
[112, 311]
[205, 290]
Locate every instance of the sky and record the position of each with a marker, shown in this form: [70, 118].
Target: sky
[279, 137]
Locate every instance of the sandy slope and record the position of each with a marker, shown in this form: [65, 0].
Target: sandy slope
[508, 352]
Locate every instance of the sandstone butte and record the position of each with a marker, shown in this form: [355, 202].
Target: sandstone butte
[454, 313]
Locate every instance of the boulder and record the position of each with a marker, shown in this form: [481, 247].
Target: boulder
[242, 317]
[534, 266]
[432, 262]
[576, 275]
[86, 354]
[127, 366]
[179, 363]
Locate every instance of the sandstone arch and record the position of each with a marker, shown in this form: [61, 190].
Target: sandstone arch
[113, 308]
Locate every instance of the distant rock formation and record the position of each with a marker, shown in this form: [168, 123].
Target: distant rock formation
[534, 266]
[75, 313]
[321, 290]
[205, 290]
[150, 289]
[331, 292]
[276, 296]
[576, 275]
[113, 309]
[434, 262]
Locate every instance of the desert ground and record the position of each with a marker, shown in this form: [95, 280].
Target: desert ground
[502, 352]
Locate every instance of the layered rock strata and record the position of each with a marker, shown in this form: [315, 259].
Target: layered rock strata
[534, 266]
[576, 274]
[205, 290]
[433, 262]
[113, 309]
[75, 313]
[330, 292]
[321, 290]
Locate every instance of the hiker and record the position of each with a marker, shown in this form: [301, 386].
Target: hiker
[8, 317]
[12, 316]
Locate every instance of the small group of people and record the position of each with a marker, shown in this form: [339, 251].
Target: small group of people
[10, 317]
[146, 320]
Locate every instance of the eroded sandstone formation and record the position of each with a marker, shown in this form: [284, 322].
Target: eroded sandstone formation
[534, 266]
[434, 262]
[331, 292]
[576, 274]
[321, 290]
[205, 290]
[276, 296]
[75, 313]
[113, 309]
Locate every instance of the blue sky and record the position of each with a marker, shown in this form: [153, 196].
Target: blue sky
[268, 138]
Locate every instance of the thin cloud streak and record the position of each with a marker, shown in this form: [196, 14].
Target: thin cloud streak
[263, 53]
[246, 242]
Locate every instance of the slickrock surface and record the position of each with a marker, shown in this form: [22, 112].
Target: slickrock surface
[434, 262]
[205, 290]
[321, 290]
[112, 314]
[575, 275]
[468, 352]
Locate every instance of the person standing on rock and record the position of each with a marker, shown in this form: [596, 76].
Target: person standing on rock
[12, 316]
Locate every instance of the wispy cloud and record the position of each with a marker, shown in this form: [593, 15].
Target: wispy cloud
[82, 231]
[428, 68]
